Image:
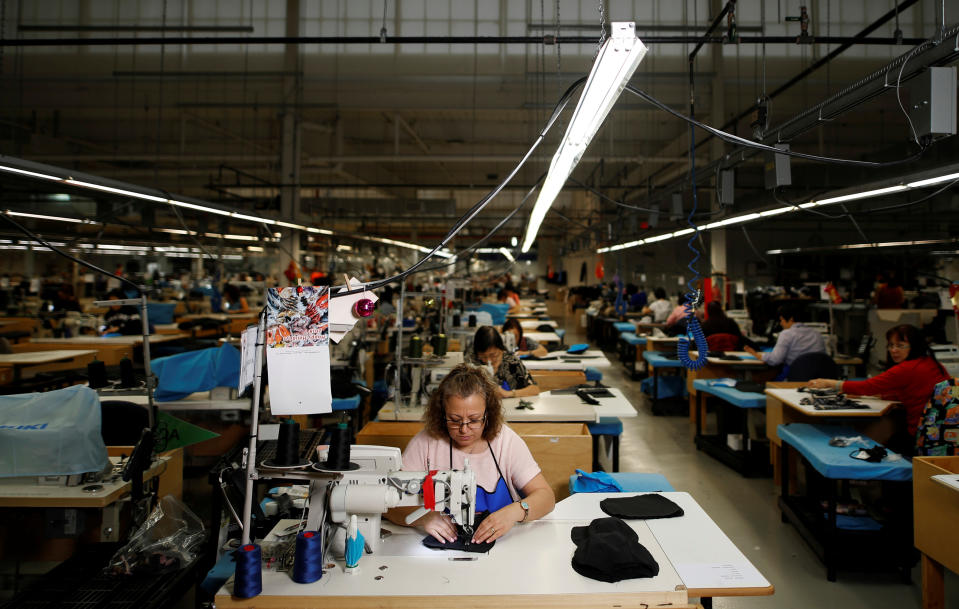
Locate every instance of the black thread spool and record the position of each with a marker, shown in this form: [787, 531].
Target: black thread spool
[439, 344]
[472, 321]
[97, 374]
[416, 347]
[339, 456]
[457, 320]
[288, 444]
[127, 378]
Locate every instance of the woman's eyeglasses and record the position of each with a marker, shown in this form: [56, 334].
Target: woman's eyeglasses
[469, 423]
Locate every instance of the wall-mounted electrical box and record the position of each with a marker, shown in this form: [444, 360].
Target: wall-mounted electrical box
[932, 105]
[777, 170]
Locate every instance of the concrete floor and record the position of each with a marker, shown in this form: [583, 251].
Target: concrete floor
[746, 510]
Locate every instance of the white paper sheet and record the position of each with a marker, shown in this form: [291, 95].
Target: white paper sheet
[717, 575]
[342, 319]
[298, 350]
[247, 357]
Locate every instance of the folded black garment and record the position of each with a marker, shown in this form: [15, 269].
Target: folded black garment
[462, 540]
[608, 550]
[750, 386]
[644, 507]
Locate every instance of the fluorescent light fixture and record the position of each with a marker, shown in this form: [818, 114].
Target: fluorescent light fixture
[174, 231]
[21, 214]
[514, 241]
[61, 196]
[506, 253]
[861, 195]
[933, 181]
[685, 231]
[254, 248]
[116, 191]
[615, 63]
[30, 174]
[658, 238]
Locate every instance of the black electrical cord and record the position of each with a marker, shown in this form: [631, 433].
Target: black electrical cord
[473, 211]
[55, 250]
[735, 139]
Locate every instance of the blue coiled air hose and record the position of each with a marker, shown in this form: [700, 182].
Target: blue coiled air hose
[694, 332]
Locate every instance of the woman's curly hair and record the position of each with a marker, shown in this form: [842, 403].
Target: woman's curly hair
[463, 381]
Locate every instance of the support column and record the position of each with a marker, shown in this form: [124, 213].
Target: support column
[717, 237]
[290, 243]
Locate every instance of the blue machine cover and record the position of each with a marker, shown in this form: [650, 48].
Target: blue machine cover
[51, 434]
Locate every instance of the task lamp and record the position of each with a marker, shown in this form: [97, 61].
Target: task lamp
[615, 63]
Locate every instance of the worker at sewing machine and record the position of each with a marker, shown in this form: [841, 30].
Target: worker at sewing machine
[464, 419]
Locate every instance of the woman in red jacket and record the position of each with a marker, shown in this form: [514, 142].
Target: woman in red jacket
[910, 380]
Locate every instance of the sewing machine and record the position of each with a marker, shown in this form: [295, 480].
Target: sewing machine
[377, 485]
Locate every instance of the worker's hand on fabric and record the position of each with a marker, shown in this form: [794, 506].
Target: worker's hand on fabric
[752, 351]
[496, 524]
[438, 525]
[821, 383]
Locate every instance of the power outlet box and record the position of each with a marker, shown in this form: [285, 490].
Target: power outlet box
[932, 106]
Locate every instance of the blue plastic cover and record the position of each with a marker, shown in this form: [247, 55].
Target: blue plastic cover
[185, 373]
[835, 462]
[596, 482]
[54, 433]
[721, 389]
[578, 348]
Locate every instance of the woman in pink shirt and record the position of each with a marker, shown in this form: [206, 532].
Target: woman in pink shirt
[464, 419]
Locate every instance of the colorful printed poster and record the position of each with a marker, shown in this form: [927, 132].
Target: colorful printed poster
[298, 350]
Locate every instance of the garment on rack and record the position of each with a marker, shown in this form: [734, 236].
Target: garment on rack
[608, 550]
[645, 507]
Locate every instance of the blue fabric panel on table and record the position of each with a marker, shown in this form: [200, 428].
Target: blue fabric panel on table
[741, 399]
[219, 574]
[632, 339]
[657, 359]
[834, 462]
[596, 482]
[54, 433]
[593, 374]
[578, 348]
[607, 426]
[627, 482]
[350, 403]
[624, 326]
[160, 312]
[855, 523]
[669, 387]
[186, 373]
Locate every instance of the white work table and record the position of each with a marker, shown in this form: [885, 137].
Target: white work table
[793, 397]
[562, 361]
[546, 407]
[133, 340]
[529, 567]
[33, 358]
[708, 562]
[532, 324]
[543, 337]
[197, 401]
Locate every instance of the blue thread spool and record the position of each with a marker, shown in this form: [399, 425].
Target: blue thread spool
[248, 581]
[308, 558]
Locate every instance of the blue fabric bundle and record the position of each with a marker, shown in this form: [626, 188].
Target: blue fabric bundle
[185, 373]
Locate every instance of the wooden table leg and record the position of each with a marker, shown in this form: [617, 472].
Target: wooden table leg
[933, 584]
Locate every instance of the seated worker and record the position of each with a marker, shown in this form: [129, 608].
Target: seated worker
[676, 322]
[232, 301]
[796, 339]
[524, 345]
[464, 418]
[508, 371]
[717, 322]
[509, 297]
[124, 319]
[660, 308]
[910, 380]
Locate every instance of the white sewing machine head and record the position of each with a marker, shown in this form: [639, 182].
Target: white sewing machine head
[379, 484]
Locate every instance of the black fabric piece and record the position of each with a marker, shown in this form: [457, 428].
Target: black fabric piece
[608, 550]
[462, 539]
[750, 386]
[645, 507]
